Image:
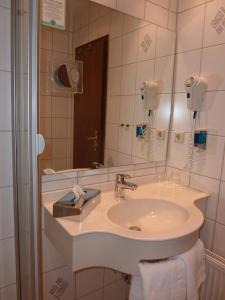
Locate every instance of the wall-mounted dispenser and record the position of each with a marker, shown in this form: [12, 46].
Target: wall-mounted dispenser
[200, 138]
[195, 88]
[150, 94]
[67, 75]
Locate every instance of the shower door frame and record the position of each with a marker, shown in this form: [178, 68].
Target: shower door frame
[26, 184]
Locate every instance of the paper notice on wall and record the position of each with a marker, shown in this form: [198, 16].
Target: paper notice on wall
[54, 13]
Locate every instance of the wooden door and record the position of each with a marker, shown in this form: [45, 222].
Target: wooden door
[90, 107]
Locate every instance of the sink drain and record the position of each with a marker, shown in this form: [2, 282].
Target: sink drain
[135, 228]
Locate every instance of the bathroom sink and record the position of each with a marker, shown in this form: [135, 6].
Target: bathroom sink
[156, 221]
[152, 216]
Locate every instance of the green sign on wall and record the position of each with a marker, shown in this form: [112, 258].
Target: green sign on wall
[54, 13]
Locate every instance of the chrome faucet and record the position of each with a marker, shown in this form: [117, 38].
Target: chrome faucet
[121, 185]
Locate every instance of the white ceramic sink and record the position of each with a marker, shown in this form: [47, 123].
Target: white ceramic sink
[157, 221]
[152, 216]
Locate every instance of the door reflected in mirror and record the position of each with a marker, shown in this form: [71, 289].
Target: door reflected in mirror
[122, 117]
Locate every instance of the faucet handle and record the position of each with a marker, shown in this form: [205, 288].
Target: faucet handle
[121, 177]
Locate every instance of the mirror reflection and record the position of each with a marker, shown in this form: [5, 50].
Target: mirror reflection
[119, 112]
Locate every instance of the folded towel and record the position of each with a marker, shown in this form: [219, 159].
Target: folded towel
[136, 289]
[194, 261]
[169, 275]
[178, 278]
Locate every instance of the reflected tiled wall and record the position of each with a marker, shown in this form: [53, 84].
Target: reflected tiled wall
[160, 12]
[7, 242]
[201, 51]
[131, 62]
[56, 107]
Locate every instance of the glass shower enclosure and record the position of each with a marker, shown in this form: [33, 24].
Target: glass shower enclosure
[24, 33]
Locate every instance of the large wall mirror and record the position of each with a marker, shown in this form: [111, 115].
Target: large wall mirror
[121, 114]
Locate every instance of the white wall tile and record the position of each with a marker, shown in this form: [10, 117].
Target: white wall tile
[163, 3]
[114, 81]
[128, 79]
[210, 186]
[5, 159]
[111, 136]
[116, 27]
[147, 42]
[125, 140]
[60, 41]
[173, 5]
[172, 21]
[108, 3]
[182, 175]
[221, 206]
[123, 159]
[178, 152]
[209, 162]
[6, 213]
[130, 47]
[7, 262]
[5, 3]
[51, 258]
[162, 114]
[164, 72]
[190, 29]
[113, 109]
[116, 291]
[145, 72]
[59, 282]
[92, 179]
[132, 7]
[187, 64]
[182, 117]
[9, 292]
[213, 67]
[89, 281]
[184, 4]
[5, 56]
[5, 101]
[115, 52]
[165, 42]
[214, 30]
[127, 104]
[212, 114]
[219, 240]
[132, 23]
[96, 295]
[206, 233]
[223, 170]
[111, 276]
[156, 14]
[140, 113]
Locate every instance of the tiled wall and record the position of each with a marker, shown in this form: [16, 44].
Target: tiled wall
[160, 12]
[56, 107]
[201, 51]
[7, 242]
[130, 64]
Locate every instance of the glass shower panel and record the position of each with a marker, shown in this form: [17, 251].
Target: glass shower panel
[24, 45]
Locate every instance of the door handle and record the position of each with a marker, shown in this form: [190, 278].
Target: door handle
[95, 140]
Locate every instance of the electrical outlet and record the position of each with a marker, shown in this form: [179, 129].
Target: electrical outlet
[161, 134]
[179, 137]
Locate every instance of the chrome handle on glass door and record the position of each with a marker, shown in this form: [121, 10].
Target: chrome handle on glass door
[95, 140]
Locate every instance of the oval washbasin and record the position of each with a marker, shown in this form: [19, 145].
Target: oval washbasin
[151, 216]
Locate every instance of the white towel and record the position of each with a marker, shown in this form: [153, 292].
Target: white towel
[194, 261]
[178, 278]
[136, 289]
